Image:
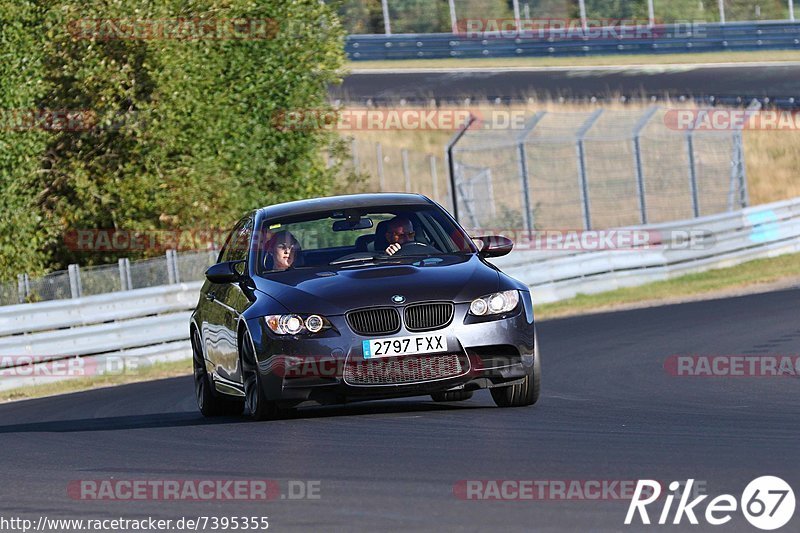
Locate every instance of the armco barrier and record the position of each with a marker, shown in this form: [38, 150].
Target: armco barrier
[752, 233]
[152, 324]
[666, 39]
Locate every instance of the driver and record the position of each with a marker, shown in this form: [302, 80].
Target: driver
[398, 232]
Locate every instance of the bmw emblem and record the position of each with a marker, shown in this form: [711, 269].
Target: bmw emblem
[398, 299]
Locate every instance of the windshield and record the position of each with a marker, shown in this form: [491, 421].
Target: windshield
[351, 237]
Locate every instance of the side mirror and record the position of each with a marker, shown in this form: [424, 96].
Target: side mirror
[226, 272]
[494, 246]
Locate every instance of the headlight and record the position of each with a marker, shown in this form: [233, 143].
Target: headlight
[296, 324]
[495, 304]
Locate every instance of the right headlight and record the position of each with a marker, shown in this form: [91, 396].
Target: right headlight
[494, 304]
[296, 324]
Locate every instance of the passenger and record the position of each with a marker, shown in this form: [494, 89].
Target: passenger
[282, 251]
[398, 232]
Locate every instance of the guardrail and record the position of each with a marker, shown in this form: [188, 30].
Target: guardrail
[664, 39]
[752, 233]
[152, 324]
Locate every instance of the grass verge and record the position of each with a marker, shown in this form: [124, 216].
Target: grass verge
[146, 373]
[584, 61]
[747, 277]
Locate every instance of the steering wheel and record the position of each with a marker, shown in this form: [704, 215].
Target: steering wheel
[413, 248]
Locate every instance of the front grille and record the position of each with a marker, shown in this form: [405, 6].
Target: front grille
[381, 321]
[424, 317]
[410, 369]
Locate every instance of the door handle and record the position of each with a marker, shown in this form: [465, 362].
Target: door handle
[210, 296]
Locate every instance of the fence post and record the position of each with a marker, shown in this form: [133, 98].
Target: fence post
[721, 11]
[523, 167]
[637, 155]
[434, 177]
[582, 175]
[125, 274]
[451, 165]
[354, 155]
[453, 20]
[75, 288]
[406, 171]
[387, 25]
[23, 287]
[692, 164]
[582, 8]
[172, 267]
[379, 159]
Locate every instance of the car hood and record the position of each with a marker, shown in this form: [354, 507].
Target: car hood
[335, 290]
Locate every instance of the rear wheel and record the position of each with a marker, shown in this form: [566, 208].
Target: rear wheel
[451, 396]
[257, 403]
[527, 392]
[209, 401]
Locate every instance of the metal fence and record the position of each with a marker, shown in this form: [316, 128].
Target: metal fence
[77, 281]
[448, 16]
[594, 170]
[694, 37]
[393, 168]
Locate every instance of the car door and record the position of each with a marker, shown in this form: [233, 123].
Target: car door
[232, 301]
[223, 305]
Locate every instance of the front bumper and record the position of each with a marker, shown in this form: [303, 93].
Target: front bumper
[298, 369]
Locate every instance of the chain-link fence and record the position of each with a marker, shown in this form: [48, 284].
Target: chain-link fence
[598, 169]
[78, 281]
[449, 16]
[392, 168]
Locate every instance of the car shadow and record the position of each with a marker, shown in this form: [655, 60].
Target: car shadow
[190, 418]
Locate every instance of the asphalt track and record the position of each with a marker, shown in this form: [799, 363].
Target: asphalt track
[725, 81]
[609, 411]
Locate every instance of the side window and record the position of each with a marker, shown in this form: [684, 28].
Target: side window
[238, 242]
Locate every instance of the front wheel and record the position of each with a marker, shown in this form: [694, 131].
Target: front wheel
[257, 403]
[209, 401]
[527, 392]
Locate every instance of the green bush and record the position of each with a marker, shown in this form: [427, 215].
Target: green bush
[185, 134]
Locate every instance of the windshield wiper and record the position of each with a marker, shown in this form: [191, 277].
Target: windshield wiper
[352, 260]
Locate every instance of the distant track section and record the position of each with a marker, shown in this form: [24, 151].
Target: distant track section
[775, 84]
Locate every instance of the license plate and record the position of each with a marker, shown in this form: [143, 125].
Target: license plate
[393, 347]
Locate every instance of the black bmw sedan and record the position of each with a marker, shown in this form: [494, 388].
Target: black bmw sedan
[359, 297]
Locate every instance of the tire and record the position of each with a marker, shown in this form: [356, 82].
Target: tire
[209, 401]
[258, 405]
[527, 392]
[451, 396]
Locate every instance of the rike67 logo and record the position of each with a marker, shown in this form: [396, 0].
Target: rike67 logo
[767, 503]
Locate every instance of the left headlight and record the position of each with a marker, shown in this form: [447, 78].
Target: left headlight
[494, 304]
[294, 324]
